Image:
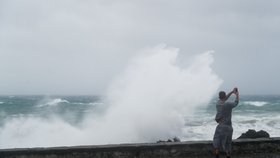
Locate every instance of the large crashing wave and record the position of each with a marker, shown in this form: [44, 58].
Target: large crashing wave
[147, 102]
[153, 94]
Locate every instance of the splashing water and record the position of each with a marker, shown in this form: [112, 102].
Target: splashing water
[153, 94]
[146, 102]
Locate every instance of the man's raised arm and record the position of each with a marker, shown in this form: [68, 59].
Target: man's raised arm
[229, 94]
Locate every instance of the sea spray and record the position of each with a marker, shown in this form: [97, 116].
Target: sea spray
[146, 102]
[153, 94]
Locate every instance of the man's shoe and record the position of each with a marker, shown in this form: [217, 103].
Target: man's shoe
[216, 153]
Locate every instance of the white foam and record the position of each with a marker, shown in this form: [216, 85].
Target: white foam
[205, 126]
[256, 103]
[36, 132]
[96, 103]
[268, 122]
[52, 102]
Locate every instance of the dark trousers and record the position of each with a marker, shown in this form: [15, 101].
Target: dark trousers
[223, 138]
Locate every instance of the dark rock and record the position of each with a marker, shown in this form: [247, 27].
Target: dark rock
[253, 134]
[160, 141]
[169, 140]
[175, 139]
[262, 134]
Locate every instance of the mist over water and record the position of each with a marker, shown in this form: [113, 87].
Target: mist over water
[145, 103]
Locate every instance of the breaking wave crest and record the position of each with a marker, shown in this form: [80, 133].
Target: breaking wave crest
[52, 102]
[256, 103]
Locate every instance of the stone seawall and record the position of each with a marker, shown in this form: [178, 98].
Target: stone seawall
[246, 148]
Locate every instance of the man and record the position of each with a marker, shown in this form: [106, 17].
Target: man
[223, 133]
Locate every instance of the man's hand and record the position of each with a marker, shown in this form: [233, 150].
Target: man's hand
[237, 94]
[235, 90]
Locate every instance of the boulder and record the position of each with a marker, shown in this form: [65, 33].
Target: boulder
[253, 134]
[175, 139]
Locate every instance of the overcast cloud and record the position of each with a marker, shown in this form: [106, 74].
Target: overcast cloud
[78, 46]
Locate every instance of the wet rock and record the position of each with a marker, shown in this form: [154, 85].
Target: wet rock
[253, 134]
[175, 139]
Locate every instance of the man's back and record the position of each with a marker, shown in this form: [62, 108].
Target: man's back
[224, 111]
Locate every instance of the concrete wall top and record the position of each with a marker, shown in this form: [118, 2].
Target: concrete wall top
[242, 148]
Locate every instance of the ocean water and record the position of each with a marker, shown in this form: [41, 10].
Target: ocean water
[31, 121]
[70, 109]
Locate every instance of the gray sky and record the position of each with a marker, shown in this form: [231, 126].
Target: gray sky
[78, 46]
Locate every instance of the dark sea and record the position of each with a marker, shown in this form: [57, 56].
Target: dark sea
[60, 118]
